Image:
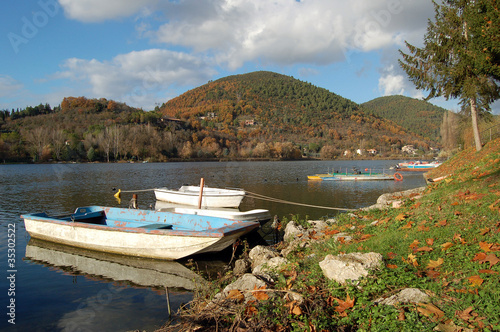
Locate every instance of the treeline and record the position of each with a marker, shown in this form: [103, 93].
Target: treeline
[256, 115]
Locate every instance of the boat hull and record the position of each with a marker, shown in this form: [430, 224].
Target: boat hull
[211, 197]
[130, 235]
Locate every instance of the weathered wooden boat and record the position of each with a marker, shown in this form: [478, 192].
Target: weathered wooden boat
[135, 271]
[142, 233]
[211, 197]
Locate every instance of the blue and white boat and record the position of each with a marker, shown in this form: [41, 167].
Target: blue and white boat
[141, 233]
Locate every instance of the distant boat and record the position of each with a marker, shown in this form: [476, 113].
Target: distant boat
[212, 197]
[142, 233]
[417, 166]
[356, 175]
[137, 271]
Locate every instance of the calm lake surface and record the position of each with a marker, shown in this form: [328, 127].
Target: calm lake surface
[63, 289]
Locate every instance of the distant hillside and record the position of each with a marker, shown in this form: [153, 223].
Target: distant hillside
[269, 107]
[414, 115]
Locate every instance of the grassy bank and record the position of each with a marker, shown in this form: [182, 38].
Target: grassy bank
[446, 243]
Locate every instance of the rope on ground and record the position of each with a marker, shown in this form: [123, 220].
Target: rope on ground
[277, 200]
[135, 191]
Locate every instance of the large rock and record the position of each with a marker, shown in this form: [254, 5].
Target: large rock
[386, 201]
[350, 266]
[268, 268]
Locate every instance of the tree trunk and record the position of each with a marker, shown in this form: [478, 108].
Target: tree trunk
[475, 127]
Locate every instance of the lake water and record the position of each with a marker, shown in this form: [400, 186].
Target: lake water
[52, 288]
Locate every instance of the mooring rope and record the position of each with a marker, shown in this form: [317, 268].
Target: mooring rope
[277, 200]
[257, 196]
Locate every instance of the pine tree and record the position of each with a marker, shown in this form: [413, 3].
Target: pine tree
[460, 57]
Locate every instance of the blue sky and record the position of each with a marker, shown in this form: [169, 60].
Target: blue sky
[145, 52]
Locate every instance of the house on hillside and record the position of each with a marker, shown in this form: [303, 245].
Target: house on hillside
[347, 153]
[372, 151]
[249, 122]
[410, 149]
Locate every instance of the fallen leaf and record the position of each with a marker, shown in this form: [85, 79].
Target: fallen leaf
[412, 260]
[408, 225]
[429, 241]
[488, 271]
[259, 294]
[431, 311]
[427, 249]
[236, 295]
[491, 258]
[414, 244]
[391, 255]
[433, 264]
[423, 228]
[442, 223]
[392, 266]
[446, 245]
[366, 236]
[475, 280]
[401, 217]
[294, 308]
[485, 246]
[344, 305]
[484, 231]
[479, 256]
[465, 314]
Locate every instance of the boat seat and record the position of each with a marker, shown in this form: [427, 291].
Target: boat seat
[157, 226]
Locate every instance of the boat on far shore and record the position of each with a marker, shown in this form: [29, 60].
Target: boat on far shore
[356, 175]
[417, 165]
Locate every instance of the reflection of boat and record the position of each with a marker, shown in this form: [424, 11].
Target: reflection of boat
[417, 165]
[143, 233]
[211, 197]
[138, 271]
[355, 175]
[259, 215]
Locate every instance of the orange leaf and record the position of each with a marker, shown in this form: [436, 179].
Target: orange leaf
[259, 294]
[491, 258]
[475, 280]
[485, 231]
[429, 241]
[401, 217]
[485, 246]
[366, 236]
[446, 245]
[411, 260]
[392, 266]
[344, 305]
[294, 308]
[414, 244]
[488, 271]
[236, 294]
[391, 255]
[442, 223]
[433, 264]
[465, 315]
[423, 228]
[431, 311]
[408, 225]
[424, 249]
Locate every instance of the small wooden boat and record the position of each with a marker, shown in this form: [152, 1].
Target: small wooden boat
[211, 197]
[142, 233]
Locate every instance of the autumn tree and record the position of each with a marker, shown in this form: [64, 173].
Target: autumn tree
[460, 56]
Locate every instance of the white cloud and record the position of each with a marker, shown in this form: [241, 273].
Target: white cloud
[139, 78]
[391, 83]
[9, 86]
[100, 10]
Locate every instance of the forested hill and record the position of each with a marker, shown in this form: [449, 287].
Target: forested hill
[415, 115]
[270, 107]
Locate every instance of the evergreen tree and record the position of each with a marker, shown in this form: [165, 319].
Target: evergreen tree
[460, 57]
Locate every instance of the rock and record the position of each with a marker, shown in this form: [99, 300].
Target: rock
[386, 200]
[292, 230]
[407, 295]
[350, 266]
[244, 284]
[270, 266]
[241, 266]
[261, 254]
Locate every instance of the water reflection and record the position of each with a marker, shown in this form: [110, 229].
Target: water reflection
[125, 270]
